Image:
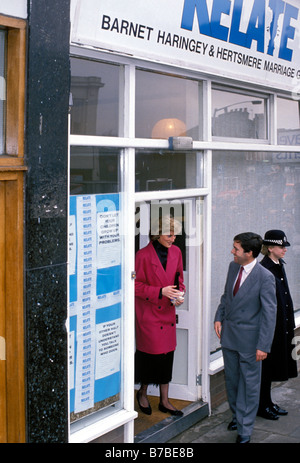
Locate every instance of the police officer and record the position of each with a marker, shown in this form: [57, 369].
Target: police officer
[279, 365]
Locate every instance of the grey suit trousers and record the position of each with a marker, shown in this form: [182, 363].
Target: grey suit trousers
[242, 376]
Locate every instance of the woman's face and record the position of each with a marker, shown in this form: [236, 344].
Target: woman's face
[167, 240]
[277, 252]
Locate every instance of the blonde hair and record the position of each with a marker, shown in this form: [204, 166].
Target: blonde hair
[164, 226]
[265, 249]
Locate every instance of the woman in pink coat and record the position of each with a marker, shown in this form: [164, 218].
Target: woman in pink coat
[159, 288]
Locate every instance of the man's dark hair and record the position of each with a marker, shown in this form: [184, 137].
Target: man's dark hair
[250, 242]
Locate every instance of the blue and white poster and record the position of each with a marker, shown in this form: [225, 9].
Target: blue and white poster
[95, 296]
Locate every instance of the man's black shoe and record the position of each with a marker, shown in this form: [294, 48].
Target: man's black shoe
[242, 439]
[232, 426]
[267, 413]
[279, 411]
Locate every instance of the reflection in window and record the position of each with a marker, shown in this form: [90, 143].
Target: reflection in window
[288, 123]
[238, 115]
[94, 170]
[254, 191]
[166, 170]
[167, 106]
[95, 98]
[2, 90]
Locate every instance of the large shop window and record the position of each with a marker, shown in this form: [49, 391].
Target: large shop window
[253, 191]
[95, 98]
[238, 115]
[95, 281]
[288, 122]
[167, 106]
[94, 170]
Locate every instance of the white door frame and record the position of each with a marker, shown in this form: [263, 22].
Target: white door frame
[189, 320]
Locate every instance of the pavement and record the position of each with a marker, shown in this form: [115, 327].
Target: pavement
[285, 430]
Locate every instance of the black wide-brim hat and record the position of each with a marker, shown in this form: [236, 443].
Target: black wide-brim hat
[275, 238]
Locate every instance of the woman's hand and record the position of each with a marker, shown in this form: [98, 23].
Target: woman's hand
[171, 292]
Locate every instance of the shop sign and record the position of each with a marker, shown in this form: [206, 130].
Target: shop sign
[256, 40]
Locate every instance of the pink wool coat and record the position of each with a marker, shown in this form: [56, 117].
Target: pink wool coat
[156, 318]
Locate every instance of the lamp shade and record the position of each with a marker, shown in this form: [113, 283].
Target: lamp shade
[171, 127]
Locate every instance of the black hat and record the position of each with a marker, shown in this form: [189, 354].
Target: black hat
[275, 238]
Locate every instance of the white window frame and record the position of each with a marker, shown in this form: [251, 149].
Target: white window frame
[208, 145]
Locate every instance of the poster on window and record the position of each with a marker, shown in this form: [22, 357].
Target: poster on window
[94, 301]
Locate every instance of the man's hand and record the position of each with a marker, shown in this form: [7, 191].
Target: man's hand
[218, 328]
[260, 355]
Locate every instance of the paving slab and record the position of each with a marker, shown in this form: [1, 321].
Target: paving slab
[213, 429]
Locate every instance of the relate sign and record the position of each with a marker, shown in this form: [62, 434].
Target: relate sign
[258, 40]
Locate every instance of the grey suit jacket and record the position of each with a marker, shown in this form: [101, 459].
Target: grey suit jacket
[248, 318]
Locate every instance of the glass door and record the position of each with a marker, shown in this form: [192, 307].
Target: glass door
[187, 363]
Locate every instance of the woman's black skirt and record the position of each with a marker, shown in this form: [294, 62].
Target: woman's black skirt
[153, 368]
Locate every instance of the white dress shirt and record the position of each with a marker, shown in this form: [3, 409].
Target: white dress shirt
[247, 270]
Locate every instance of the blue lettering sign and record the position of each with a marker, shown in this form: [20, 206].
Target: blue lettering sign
[256, 28]
[219, 7]
[277, 7]
[202, 14]
[237, 37]
[288, 32]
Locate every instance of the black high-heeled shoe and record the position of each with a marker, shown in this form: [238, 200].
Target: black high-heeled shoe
[146, 410]
[164, 409]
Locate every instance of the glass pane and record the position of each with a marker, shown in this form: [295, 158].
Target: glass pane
[254, 191]
[168, 170]
[95, 285]
[288, 122]
[2, 90]
[238, 115]
[167, 106]
[180, 368]
[147, 213]
[95, 98]
[94, 170]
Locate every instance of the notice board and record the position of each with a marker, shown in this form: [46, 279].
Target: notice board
[95, 301]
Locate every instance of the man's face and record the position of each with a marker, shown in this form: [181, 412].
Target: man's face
[239, 255]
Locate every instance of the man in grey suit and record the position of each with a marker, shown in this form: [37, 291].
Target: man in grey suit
[245, 322]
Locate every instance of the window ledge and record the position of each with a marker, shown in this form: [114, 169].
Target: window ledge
[91, 432]
[216, 365]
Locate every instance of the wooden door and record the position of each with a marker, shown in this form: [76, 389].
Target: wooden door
[12, 396]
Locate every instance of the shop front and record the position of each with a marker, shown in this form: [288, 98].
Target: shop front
[188, 110]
